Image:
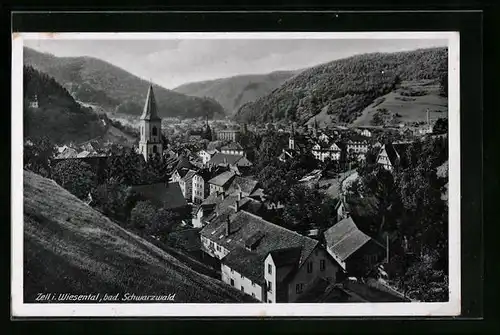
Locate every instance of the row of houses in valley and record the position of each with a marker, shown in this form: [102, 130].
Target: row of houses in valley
[323, 146]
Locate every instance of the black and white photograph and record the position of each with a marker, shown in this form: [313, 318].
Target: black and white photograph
[236, 174]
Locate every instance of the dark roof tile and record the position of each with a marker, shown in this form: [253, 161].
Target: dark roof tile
[344, 238]
[168, 195]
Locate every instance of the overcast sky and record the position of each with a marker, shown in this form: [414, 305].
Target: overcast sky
[171, 63]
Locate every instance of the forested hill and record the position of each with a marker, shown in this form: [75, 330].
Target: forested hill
[58, 116]
[95, 81]
[235, 91]
[342, 88]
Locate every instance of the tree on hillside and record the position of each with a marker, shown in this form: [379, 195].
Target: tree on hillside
[75, 176]
[270, 147]
[126, 167]
[113, 199]
[163, 222]
[274, 181]
[307, 209]
[443, 84]
[441, 126]
[38, 155]
[142, 215]
[152, 220]
[422, 281]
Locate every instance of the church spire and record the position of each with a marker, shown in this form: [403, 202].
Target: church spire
[150, 111]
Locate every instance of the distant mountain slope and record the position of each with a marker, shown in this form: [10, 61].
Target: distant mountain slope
[71, 248]
[58, 115]
[235, 91]
[97, 82]
[340, 90]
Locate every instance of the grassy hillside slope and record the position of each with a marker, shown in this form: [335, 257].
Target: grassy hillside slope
[71, 248]
[342, 89]
[97, 82]
[235, 91]
[410, 108]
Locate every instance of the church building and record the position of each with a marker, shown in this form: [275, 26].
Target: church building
[150, 144]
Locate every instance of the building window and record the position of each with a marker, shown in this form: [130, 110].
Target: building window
[232, 282]
[269, 286]
[299, 288]
[155, 132]
[322, 265]
[269, 268]
[309, 267]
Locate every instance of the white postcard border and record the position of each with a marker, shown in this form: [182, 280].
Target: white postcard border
[450, 308]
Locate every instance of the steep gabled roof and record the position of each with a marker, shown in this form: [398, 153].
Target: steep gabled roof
[396, 152]
[344, 238]
[182, 172]
[286, 256]
[189, 175]
[238, 160]
[150, 111]
[232, 146]
[167, 195]
[184, 163]
[248, 263]
[243, 225]
[222, 179]
[245, 185]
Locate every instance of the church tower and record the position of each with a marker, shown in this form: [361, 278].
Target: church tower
[315, 130]
[291, 139]
[207, 134]
[150, 144]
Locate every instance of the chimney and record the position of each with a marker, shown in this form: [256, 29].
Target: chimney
[239, 196]
[228, 227]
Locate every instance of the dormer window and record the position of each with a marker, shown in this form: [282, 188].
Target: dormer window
[269, 268]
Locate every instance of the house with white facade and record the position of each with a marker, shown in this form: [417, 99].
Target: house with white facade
[269, 262]
[323, 150]
[206, 155]
[186, 184]
[358, 145]
[392, 154]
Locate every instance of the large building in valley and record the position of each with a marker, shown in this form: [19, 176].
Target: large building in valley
[232, 135]
[269, 262]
